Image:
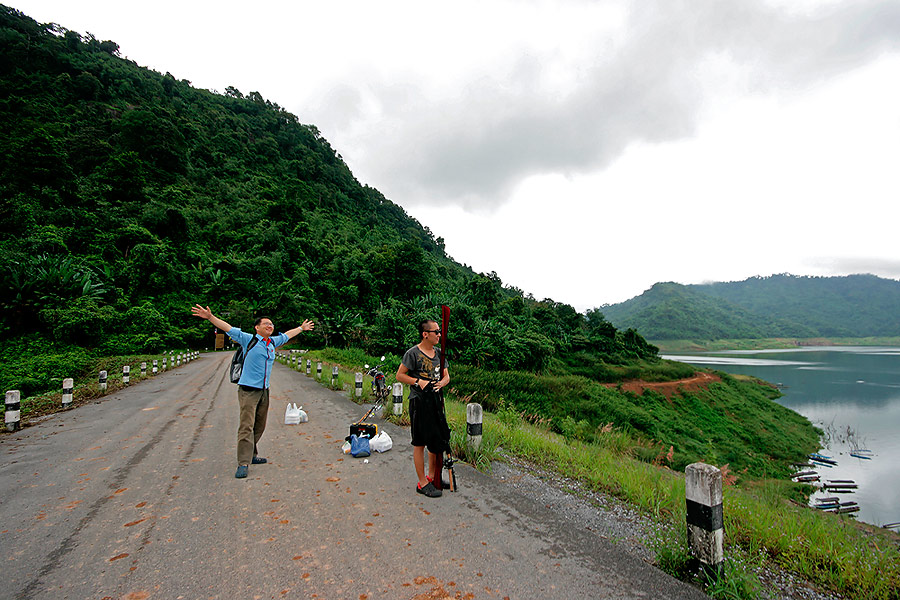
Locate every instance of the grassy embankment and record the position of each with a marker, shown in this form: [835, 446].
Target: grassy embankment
[763, 528]
[670, 346]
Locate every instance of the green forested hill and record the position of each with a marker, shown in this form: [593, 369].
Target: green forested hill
[128, 195]
[765, 307]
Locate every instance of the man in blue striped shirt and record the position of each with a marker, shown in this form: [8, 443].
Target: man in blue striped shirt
[253, 387]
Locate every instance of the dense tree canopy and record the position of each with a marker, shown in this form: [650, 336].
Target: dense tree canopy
[128, 195]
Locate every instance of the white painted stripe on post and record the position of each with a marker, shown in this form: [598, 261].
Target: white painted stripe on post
[102, 381]
[126, 374]
[358, 378]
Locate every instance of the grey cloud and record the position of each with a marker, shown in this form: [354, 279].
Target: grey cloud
[476, 148]
[848, 265]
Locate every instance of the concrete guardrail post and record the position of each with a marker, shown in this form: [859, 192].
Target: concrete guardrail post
[12, 415]
[308, 366]
[155, 366]
[68, 386]
[143, 370]
[126, 374]
[705, 519]
[319, 370]
[165, 358]
[474, 418]
[398, 398]
[358, 379]
[102, 381]
[334, 377]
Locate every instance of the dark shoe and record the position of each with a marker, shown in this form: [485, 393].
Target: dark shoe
[258, 461]
[241, 472]
[429, 490]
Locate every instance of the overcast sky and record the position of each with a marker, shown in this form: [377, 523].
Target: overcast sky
[583, 150]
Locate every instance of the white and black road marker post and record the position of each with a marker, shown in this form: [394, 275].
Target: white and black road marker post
[68, 386]
[474, 418]
[398, 398]
[12, 410]
[705, 518]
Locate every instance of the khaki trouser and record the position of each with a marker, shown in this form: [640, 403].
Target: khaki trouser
[254, 406]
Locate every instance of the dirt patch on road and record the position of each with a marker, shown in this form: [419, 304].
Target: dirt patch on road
[700, 381]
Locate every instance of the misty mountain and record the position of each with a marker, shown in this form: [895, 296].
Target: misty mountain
[765, 307]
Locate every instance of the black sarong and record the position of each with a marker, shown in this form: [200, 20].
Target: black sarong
[428, 422]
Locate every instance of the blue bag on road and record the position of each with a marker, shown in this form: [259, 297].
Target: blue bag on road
[359, 447]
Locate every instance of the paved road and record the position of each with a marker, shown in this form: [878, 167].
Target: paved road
[134, 497]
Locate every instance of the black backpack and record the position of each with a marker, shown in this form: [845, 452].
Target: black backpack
[237, 361]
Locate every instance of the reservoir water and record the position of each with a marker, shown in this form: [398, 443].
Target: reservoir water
[853, 395]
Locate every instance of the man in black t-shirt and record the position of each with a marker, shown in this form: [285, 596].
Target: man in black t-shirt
[420, 369]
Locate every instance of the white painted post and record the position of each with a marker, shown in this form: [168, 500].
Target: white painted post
[165, 358]
[334, 376]
[319, 370]
[308, 366]
[398, 398]
[68, 385]
[126, 374]
[705, 519]
[155, 366]
[143, 370]
[358, 385]
[474, 417]
[102, 381]
[178, 360]
[12, 410]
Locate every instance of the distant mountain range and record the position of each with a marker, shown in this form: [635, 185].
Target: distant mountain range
[764, 307]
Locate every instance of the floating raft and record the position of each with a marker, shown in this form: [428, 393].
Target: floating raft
[861, 454]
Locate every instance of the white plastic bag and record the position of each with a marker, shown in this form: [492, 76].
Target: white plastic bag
[303, 417]
[345, 448]
[381, 442]
[292, 414]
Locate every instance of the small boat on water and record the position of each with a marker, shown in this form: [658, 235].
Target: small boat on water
[807, 478]
[821, 458]
[804, 473]
[891, 525]
[863, 454]
[845, 509]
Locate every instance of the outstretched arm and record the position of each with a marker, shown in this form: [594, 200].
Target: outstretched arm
[306, 326]
[205, 313]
